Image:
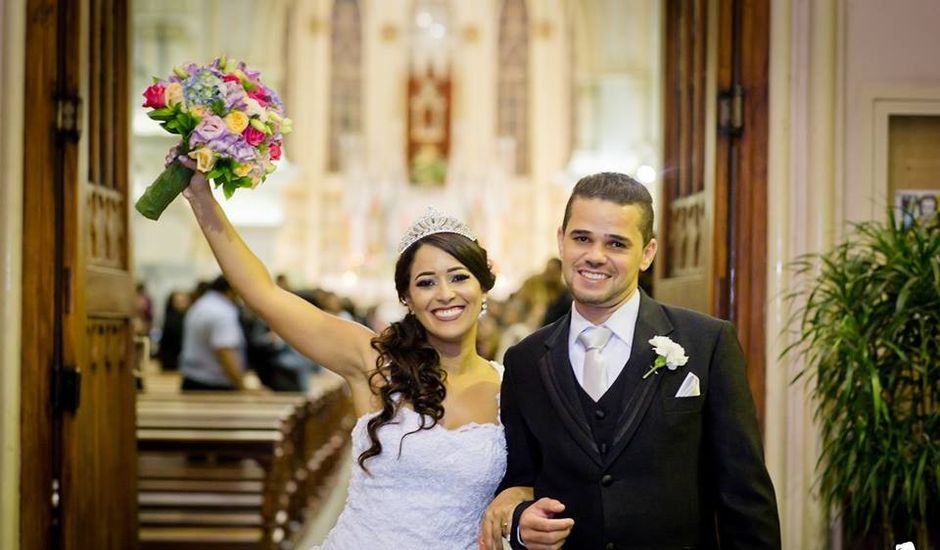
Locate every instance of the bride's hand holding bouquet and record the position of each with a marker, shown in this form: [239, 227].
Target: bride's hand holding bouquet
[231, 125]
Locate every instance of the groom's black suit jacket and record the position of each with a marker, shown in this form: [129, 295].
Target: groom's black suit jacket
[676, 473]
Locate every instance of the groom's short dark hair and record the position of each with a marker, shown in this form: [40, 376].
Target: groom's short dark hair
[617, 188]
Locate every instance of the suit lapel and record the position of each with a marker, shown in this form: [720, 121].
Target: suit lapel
[651, 321]
[560, 385]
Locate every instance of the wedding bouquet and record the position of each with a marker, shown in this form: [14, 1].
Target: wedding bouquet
[230, 123]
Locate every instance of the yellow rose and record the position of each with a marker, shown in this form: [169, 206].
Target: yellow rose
[174, 93]
[236, 121]
[242, 170]
[205, 159]
[199, 111]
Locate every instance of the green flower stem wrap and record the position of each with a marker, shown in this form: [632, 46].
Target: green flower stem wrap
[658, 364]
[160, 193]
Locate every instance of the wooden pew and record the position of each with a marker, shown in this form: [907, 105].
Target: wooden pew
[240, 467]
[191, 509]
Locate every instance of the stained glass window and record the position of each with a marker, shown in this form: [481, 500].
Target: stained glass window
[429, 93]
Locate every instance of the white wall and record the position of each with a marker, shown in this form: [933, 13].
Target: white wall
[12, 46]
[889, 50]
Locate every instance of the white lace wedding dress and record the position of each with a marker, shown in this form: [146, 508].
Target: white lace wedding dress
[426, 491]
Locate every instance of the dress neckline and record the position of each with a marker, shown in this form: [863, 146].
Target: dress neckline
[469, 426]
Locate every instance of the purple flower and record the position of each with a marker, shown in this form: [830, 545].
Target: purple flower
[233, 94]
[250, 73]
[209, 128]
[275, 100]
[228, 145]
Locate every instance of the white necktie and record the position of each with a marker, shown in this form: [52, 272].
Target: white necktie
[595, 372]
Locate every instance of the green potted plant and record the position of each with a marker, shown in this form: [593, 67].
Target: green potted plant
[866, 318]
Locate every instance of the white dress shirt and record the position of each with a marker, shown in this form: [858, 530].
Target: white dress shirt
[617, 351]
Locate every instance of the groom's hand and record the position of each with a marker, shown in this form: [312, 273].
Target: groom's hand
[540, 530]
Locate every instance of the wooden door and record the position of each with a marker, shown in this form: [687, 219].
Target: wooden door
[78, 384]
[713, 218]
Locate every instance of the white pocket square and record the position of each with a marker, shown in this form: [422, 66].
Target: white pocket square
[689, 387]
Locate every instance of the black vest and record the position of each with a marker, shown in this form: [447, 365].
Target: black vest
[602, 415]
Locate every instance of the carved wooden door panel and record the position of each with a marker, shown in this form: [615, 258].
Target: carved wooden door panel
[99, 469]
[78, 481]
[687, 213]
[713, 215]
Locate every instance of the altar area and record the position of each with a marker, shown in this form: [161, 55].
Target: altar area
[488, 110]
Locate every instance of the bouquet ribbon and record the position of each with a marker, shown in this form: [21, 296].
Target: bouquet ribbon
[159, 194]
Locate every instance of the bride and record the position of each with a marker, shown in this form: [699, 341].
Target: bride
[428, 448]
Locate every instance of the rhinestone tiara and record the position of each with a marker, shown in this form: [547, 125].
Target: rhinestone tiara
[433, 221]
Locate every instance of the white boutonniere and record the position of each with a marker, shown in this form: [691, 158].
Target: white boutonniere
[670, 355]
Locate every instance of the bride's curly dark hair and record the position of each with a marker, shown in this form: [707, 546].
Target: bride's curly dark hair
[407, 365]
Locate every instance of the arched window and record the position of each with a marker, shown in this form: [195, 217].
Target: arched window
[513, 110]
[346, 80]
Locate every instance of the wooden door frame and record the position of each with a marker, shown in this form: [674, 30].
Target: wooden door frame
[730, 282]
[38, 308]
[740, 262]
[12, 103]
[51, 33]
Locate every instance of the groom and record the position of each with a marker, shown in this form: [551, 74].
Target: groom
[621, 453]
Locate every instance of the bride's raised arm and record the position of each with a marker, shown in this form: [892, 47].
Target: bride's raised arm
[337, 344]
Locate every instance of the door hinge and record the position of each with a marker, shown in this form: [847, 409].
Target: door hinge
[66, 389]
[731, 111]
[68, 119]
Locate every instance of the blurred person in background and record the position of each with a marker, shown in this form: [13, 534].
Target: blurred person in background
[213, 353]
[171, 334]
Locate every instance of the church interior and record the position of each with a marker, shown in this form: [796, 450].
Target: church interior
[765, 131]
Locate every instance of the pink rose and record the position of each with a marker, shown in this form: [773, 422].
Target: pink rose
[155, 96]
[253, 136]
[259, 95]
[231, 78]
[275, 150]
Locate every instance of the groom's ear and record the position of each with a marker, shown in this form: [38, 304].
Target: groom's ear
[560, 235]
[649, 252]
